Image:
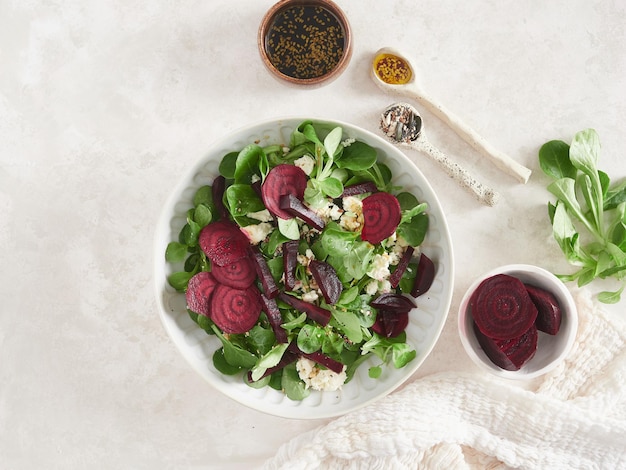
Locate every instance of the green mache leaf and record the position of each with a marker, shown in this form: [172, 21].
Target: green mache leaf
[204, 195]
[295, 323]
[357, 156]
[220, 363]
[261, 339]
[584, 152]
[332, 187]
[248, 162]
[293, 386]
[202, 215]
[310, 338]
[608, 297]
[175, 252]
[179, 280]
[234, 354]
[358, 259]
[270, 359]
[402, 354]
[414, 231]
[332, 141]
[348, 323]
[375, 372]
[554, 160]
[615, 196]
[289, 228]
[228, 165]
[242, 200]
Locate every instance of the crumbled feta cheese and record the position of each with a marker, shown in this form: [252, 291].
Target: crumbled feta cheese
[379, 267]
[319, 379]
[329, 211]
[254, 178]
[257, 233]
[306, 163]
[306, 258]
[371, 287]
[352, 204]
[348, 142]
[263, 216]
[310, 296]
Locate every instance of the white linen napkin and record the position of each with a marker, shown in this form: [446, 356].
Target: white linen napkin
[576, 417]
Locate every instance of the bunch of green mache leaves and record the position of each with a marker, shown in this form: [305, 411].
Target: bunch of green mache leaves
[589, 216]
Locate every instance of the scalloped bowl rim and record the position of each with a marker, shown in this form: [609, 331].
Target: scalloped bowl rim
[196, 346]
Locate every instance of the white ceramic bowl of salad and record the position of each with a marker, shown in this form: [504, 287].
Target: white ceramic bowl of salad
[551, 347]
[198, 348]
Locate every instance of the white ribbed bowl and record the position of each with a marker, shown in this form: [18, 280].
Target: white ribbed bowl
[426, 322]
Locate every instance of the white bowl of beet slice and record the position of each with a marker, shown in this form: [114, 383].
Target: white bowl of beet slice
[202, 350]
[518, 321]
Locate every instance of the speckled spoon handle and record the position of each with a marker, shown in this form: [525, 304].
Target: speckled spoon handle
[481, 192]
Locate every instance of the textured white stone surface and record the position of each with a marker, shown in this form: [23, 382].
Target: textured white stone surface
[104, 105]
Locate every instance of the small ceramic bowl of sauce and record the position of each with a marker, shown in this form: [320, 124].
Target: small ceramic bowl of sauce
[305, 42]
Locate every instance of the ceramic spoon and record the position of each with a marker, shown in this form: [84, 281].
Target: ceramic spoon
[402, 124]
[409, 88]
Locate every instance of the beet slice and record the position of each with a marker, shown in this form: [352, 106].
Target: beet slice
[510, 354]
[359, 188]
[424, 277]
[270, 308]
[198, 294]
[290, 261]
[390, 323]
[395, 277]
[315, 313]
[217, 191]
[296, 208]
[235, 310]
[282, 180]
[548, 309]
[326, 278]
[240, 274]
[223, 242]
[393, 302]
[502, 308]
[381, 217]
[270, 289]
[318, 357]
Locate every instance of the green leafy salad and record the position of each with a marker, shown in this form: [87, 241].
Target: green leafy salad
[303, 260]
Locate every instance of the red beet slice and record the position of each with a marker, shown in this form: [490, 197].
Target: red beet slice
[235, 310]
[290, 261]
[318, 357]
[217, 191]
[502, 308]
[315, 313]
[509, 354]
[223, 242]
[198, 294]
[326, 278]
[240, 274]
[296, 208]
[270, 308]
[548, 309]
[381, 217]
[359, 188]
[282, 180]
[390, 323]
[393, 302]
[263, 272]
[395, 277]
[424, 277]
